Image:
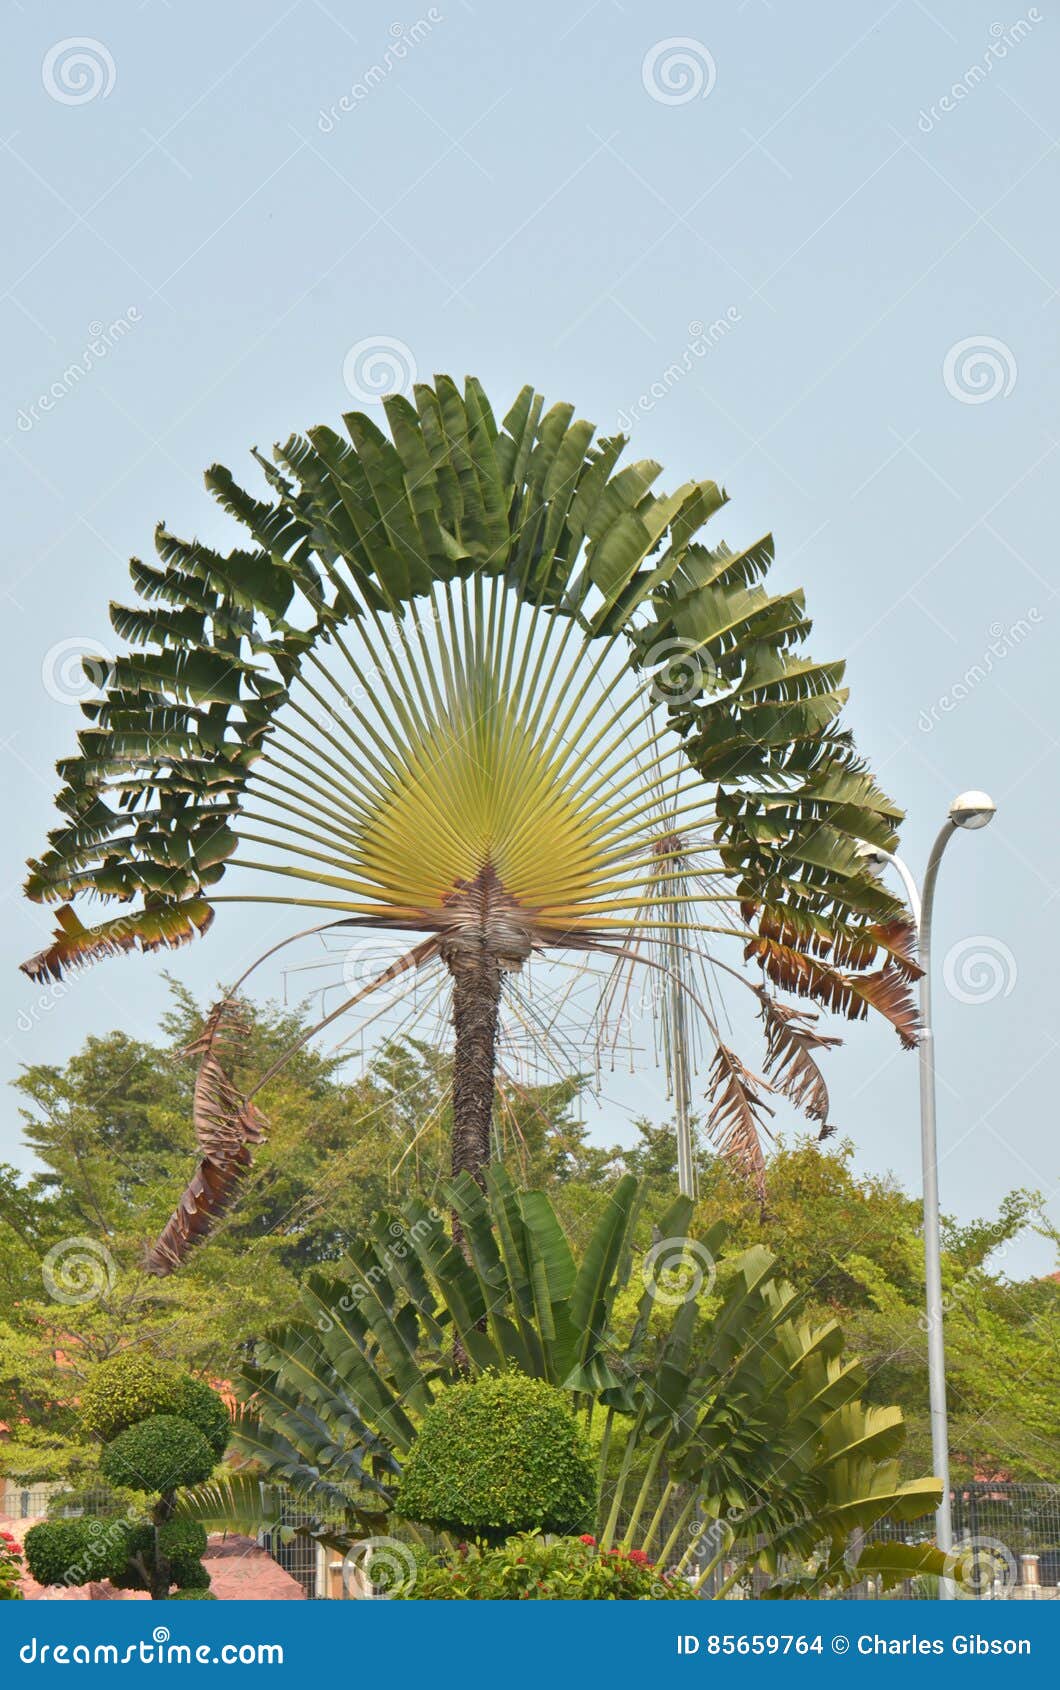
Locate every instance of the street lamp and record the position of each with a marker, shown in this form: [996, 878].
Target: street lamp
[971, 810]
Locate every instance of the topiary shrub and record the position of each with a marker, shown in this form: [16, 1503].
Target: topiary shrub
[162, 1429]
[158, 1454]
[73, 1552]
[498, 1455]
[132, 1386]
[191, 1575]
[181, 1539]
[195, 1401]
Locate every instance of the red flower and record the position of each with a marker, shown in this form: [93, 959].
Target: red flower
[585, 1538]
[639, 1559]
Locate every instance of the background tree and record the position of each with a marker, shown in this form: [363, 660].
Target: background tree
[340, 1147]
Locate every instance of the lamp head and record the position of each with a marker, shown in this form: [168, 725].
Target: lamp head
[872, 856]
[972, 810]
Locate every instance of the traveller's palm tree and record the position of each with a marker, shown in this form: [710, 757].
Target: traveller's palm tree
[478, 686]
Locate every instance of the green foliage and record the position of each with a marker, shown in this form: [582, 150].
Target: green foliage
[182, 1539]
[497, 1455]
[527, 1569]
[722, 1396]
[158, 1454]
[197, 1403]
[192, 1596]
[110, 1131]
[74, 1552]
[190, 1574]
[127, 1388]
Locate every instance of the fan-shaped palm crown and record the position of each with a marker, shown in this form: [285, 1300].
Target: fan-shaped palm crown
[479, 684]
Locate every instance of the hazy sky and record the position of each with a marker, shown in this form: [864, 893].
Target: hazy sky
[225, 220]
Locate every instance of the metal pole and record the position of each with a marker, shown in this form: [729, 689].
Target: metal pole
[940, 1444]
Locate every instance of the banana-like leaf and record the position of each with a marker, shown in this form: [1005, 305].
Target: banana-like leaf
[731, 1398]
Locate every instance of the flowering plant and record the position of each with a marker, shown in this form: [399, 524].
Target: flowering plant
[10, 1568]
[529, 1568]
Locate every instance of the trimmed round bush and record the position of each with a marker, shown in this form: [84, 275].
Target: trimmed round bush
[195, 1401]
[134, 1386]
[191, 1575]
[158, 1454]
[182, 1539]
[127, 1388]
[499, 1455]
[74, 1552]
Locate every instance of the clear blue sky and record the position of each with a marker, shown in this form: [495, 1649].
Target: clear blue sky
[862, 196]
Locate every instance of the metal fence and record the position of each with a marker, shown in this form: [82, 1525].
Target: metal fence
[1010, 1534]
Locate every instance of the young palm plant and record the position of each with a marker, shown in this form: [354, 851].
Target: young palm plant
[477, 686]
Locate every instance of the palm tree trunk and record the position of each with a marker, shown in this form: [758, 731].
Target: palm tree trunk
[476, 1009]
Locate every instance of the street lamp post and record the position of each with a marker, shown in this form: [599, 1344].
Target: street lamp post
[970, 810]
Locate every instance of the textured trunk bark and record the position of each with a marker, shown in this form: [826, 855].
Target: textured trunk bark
[476, 1007]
